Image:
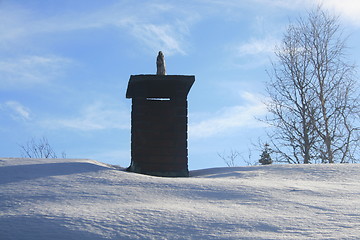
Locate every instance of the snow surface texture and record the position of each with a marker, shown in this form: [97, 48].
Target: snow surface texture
[84, 199]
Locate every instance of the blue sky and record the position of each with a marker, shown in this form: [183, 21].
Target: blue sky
[64, 68]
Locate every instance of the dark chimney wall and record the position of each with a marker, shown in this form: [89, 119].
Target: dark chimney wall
[159, 125]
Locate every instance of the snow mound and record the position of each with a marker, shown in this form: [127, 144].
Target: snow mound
[85, 199]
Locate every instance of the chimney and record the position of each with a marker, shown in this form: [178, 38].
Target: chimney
[159, 124]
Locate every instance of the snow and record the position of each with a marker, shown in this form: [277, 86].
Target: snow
[84, 199]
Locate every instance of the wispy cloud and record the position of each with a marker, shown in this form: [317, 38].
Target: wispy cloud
[294, 4]
[16, 110]
[157, 37]
[256, 52]
[257, 46]
[16, 19]
[30, 70]
[252, 53]
[96, 116]
[156, 26]
[230, 118]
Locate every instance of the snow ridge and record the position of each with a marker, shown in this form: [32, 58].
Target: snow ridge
[85, 199]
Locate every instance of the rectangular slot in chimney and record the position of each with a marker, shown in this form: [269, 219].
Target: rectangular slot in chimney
[158, 99]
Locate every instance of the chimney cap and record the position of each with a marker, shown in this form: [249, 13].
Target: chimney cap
[159, 86]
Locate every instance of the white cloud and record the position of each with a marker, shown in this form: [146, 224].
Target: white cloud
[293, 4]
[348, 9]
[159, 37]
[96, 116]
[156, 26]
[231, 118]
[252, 53]
[15, 27]
[30, 70]
[257, 51]
[16, 110]
[257, 46]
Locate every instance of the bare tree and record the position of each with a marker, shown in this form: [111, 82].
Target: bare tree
[334, 85]
[39, 149]
[289, 88]
[312, 88]
[230, 158]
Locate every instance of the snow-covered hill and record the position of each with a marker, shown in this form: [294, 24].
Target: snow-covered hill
[84, 199]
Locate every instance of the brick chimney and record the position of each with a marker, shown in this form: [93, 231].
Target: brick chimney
[159, 124]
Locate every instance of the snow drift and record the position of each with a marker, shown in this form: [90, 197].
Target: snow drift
[84, 199]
